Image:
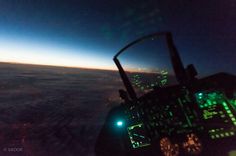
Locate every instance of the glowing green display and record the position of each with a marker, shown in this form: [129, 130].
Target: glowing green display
[233, 103]
[160, 80]
[137, 135]
[216, 134]
[219, 112]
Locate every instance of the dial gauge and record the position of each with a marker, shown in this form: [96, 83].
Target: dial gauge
[169, 149]
[193, 144]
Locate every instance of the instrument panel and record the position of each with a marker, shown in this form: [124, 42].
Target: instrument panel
[179, 121]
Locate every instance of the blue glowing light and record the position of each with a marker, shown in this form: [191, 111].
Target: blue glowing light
[119, 123]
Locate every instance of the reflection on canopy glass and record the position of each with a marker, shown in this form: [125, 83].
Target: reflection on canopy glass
[148, 65]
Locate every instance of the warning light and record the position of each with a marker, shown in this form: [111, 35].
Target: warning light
[200, 94]
[119, 123]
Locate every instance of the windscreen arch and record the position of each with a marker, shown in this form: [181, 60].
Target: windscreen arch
[147, 65]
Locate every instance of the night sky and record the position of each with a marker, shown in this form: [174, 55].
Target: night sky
[88, 33]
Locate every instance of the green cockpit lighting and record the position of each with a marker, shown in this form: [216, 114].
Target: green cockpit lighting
[216, 107]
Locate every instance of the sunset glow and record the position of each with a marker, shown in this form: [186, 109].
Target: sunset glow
[44, 55]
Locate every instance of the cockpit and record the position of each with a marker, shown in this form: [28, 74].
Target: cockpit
[167, 110]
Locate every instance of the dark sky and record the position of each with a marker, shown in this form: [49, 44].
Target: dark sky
[89, 32]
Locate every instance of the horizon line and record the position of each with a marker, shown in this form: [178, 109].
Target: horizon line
[59, 66]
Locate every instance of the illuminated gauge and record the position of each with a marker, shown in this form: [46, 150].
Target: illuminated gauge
[169, 149]
[193, 144]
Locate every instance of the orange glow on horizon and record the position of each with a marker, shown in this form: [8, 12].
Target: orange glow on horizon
[37, 54]
[66, 66]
